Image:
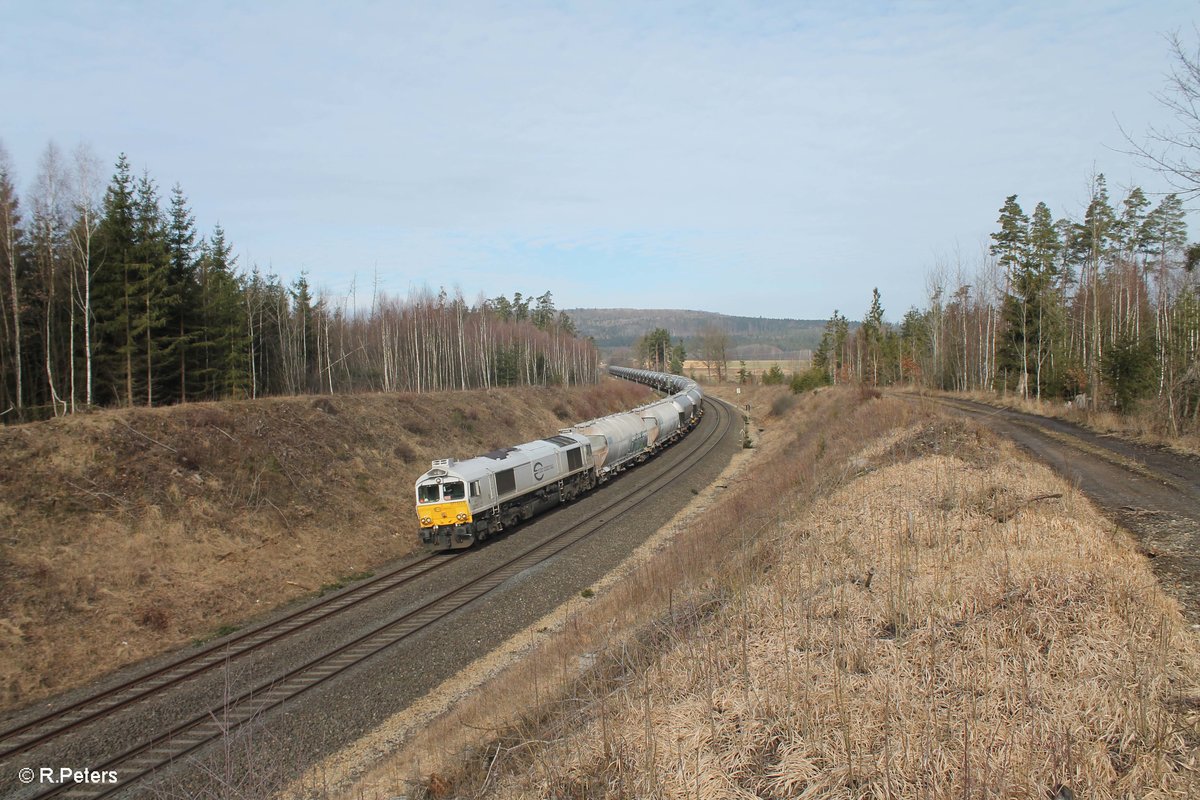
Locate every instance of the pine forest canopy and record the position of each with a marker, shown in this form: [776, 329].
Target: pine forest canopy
[107, 298]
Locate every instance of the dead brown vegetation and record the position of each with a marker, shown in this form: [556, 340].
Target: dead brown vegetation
[129, 532]
[896, 605]
[1143, 424]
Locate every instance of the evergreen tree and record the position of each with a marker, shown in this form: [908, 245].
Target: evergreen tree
[520, 307]
[151, 288]
[914, 337]
[305, 333]
[872, 334]
[566, 324]
[502, 307]
[184, 291]
[678, 356]
[1010, 242]
[111, 299]
[1095, 242]
[220, 337]
[543, 313]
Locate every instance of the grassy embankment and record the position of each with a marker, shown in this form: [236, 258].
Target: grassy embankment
[888, 603]
[130, 532]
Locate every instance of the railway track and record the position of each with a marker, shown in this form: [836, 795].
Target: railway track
[36, 732]
[185, 738]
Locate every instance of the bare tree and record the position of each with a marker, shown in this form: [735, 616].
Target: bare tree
[86, 199]
[9, 238]
[714, 346]
[49, 225]
[1175, 151]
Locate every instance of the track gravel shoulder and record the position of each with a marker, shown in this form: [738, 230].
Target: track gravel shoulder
[356, 759]
[1152, 492]
[337, 714]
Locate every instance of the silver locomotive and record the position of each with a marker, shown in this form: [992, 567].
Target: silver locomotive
[459, 503]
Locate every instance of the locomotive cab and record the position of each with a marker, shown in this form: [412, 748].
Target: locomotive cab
[449, 501]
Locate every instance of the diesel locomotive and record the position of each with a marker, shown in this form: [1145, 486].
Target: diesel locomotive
[462, 502]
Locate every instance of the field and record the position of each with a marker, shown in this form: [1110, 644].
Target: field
[757, 368]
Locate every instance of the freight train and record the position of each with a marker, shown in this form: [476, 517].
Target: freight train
[460, 503]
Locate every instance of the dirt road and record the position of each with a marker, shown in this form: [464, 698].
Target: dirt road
[1150, 491]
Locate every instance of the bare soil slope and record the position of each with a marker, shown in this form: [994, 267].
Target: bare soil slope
[127, 533]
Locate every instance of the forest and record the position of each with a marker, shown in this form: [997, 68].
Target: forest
[108, 297]
[1102, 311]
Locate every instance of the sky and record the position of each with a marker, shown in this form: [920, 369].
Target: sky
[759, 159]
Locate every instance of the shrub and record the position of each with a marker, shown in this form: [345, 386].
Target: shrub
[812, 378]
[774, 376]
[1128, 371]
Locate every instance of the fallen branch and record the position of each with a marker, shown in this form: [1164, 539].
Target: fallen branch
[98, 495]
[147, 438]
[1005, 514]
[286, 524]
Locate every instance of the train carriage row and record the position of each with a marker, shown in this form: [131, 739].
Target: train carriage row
[463, 502]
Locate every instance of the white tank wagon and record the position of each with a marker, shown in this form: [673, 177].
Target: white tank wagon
[462, 502]
[666, 420]
[616, 440]
[671, 384]
[686, 408]
[683, 391]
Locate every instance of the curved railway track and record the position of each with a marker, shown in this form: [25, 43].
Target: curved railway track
[35, 732]
[139, 761]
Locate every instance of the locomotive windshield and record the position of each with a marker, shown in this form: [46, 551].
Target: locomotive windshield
[427, 493]
[453, 490]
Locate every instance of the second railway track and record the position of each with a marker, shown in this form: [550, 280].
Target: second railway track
[135, 762]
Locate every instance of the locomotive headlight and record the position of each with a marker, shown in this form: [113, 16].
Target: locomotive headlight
[462, 517]
[427, 520]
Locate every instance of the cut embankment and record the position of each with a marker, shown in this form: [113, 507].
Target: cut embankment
[923, 612]
[131, 532]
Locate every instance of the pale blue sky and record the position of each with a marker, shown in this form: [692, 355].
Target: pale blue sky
[773, 159]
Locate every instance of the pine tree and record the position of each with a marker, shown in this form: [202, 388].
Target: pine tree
[1043, 295]
[304, 336]
[872, 334]
[183, 289]
[1095, 240]
[111, 290]
[151, 285]
[220, 336]
[1010, 242]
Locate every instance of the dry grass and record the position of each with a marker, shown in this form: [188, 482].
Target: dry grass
[127, 533]
[1144, 425]
[907, 645]
[681, 576]
[928, 616]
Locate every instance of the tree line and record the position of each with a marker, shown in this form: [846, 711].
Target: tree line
[1103, 310]
[110, 296]
[654, 350]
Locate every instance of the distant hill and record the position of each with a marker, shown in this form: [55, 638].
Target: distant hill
[615, 329]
